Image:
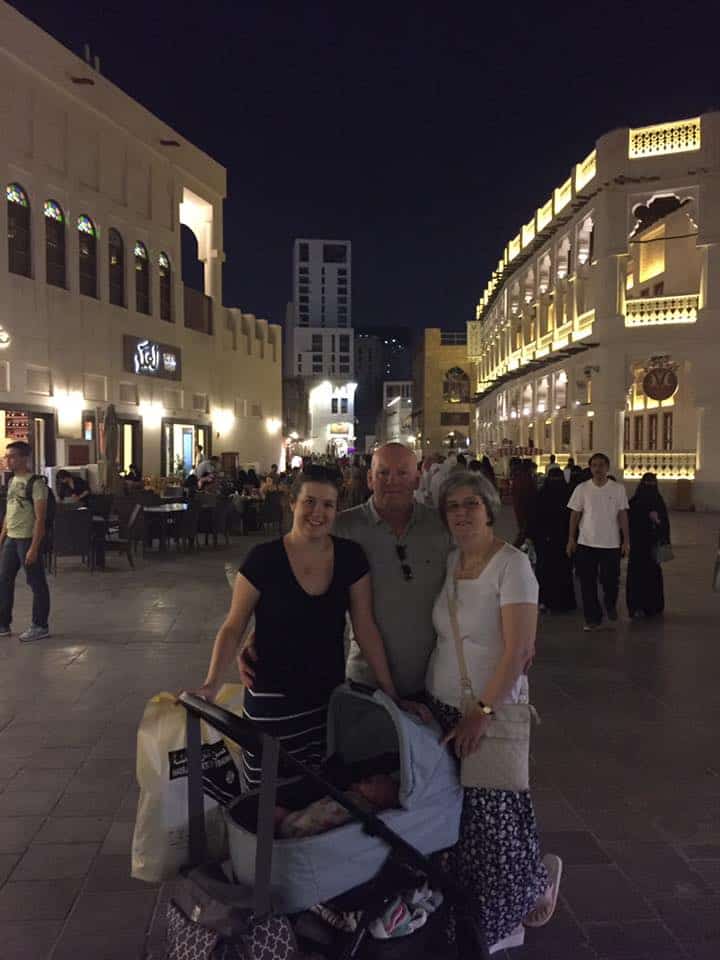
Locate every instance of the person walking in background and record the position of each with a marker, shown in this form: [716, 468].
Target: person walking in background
[567, 472]
[358, 481]
[524, 501]
[602, 506]
[486, 469]
[549, 534]
[21, 540]
[649, 530]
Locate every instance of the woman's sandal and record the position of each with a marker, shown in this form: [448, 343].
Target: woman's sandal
[545, 907]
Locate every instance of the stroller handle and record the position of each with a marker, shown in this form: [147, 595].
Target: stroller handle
[238, 729]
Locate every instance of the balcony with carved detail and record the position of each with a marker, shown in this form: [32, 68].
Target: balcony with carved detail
[650, 311]
[667, 465]
[583, 325]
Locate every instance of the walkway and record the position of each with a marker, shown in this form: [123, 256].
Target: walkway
[627, 761]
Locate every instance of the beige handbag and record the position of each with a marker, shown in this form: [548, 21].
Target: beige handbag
[501, 761]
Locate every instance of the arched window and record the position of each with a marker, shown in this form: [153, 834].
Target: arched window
[18, 214]
[456, 386]
[87, 253]
[142, 278]
[116, 261]
[54, 243]
[165, 287]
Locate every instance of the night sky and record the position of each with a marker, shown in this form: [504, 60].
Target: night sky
[424, 133]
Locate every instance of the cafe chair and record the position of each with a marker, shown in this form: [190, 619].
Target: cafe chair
[127, 536]
[72, 537]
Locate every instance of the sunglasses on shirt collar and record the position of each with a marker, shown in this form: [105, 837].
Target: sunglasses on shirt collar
[401, 551]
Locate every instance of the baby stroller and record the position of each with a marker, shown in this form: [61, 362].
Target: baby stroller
[375, 855]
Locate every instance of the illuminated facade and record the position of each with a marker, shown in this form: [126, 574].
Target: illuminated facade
[95, 194]
[598, 330]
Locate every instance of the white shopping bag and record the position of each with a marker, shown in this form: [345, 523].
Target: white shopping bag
[160, 841]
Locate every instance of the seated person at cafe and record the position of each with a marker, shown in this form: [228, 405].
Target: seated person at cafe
[206, 471]
[71, 487]
[133, 473]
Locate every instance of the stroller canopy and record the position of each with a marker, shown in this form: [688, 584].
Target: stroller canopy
[361, 726]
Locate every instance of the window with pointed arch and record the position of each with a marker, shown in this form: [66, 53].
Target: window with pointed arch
[18, 219]
[54, 244]
[116, 267]
[456, 386]
[165, 272]
[142, 278]
[87, 256]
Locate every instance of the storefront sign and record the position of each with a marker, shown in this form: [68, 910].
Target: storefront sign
[339, 429]
[148, 358]
[660, 381]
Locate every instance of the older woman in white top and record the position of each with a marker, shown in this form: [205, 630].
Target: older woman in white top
[497, 858]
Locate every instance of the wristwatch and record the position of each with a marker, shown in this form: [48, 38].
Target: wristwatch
[487, 710]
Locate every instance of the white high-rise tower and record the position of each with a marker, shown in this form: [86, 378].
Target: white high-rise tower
[319, 355]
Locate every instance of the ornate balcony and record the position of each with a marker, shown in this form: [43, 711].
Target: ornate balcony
[667, 465]
[678, 136]
[649, 311]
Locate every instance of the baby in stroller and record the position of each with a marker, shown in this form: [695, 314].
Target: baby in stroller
[367, 785]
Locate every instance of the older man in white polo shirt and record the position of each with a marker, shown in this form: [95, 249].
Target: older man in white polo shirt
[599, 507]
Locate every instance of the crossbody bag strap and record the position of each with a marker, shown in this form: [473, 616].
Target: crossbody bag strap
[465, 682]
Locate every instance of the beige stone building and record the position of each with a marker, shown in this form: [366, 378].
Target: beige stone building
[599, 328]
[93, 309]
[441, 393]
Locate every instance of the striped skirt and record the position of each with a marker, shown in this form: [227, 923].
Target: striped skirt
[300, 729]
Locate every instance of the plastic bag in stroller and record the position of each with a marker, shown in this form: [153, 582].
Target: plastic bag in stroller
[400, 863]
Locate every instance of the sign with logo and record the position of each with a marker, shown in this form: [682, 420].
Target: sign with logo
[660, 381]
[148, 358]
[339, 429]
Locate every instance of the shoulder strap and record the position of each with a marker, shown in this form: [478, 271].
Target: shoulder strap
[465, 683]
[29, 486]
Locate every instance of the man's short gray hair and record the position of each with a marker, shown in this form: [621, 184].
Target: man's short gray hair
[479, 485]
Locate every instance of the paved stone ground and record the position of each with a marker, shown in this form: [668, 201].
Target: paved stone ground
[626, 762]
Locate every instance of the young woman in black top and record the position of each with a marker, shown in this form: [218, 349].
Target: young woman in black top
[300, 587]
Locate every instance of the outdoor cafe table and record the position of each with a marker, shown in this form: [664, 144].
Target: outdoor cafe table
[163, 511]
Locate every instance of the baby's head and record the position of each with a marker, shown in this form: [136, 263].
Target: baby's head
[379, 789]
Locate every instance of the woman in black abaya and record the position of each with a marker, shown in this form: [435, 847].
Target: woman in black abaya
[649, 528]
[550, 535]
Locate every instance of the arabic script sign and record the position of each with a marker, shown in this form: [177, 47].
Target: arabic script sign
[148, 358]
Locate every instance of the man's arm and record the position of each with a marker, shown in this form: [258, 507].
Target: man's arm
[625, 531]
[40, 508]
[3, 532]
[572, 534]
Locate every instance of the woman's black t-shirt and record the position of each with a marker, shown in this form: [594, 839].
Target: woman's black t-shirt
[299, 637]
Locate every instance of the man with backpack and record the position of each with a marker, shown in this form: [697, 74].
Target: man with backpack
[21, 542]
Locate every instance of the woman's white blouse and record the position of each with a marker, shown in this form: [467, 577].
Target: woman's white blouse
[508, 578]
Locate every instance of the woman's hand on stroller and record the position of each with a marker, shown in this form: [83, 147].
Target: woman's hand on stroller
[468, 733]
[208, 691]
[416, 709]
